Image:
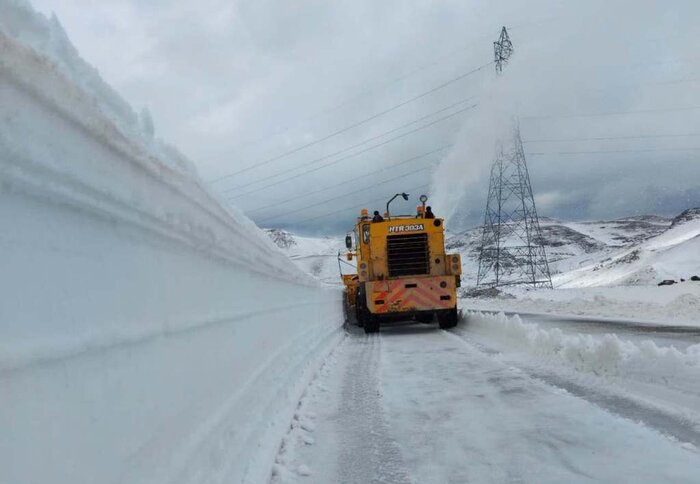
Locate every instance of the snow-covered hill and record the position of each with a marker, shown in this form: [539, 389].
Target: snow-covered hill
[673, 253]
[610, 269]
[585, 253]
[317, 256]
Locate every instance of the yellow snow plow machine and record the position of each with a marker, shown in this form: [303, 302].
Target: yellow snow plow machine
[402, 270]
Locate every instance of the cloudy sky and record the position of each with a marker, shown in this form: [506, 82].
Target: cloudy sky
[301, 112]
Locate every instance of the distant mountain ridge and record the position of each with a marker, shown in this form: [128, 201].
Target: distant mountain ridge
[639, 249]
[619, 251]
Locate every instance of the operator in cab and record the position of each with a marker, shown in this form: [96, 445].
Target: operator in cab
[377, 217]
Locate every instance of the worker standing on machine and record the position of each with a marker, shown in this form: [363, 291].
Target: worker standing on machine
[377, 217]
[429, 213]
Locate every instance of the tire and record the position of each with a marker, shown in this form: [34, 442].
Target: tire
[361, 307]
[365, 319]
[371, 324]
[448, 318]
[360, 310]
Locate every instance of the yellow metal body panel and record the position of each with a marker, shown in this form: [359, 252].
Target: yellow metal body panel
[412, 293]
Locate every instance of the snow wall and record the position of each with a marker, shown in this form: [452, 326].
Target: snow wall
[147, 334]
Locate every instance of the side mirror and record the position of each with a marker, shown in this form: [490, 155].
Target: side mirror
[405, 196]
[348, 241]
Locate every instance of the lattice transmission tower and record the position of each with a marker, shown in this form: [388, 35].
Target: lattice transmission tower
[512, 250]
[502, 50]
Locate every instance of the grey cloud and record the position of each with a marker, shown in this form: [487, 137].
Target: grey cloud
[235, 83]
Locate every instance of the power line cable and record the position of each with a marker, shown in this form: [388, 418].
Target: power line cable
[653, 150]
[369, 187]
[605, 138]
[380, 86]
[354, 207]
[355, 125]
[349, 180]
[611, 113]
[383, 85]
[352, 155]
[356, 145]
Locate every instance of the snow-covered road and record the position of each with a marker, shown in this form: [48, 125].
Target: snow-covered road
[415, 404]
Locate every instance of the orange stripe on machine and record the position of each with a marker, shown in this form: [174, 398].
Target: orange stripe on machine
[420, 295]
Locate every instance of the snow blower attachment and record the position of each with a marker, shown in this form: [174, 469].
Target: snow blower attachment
[402, 270]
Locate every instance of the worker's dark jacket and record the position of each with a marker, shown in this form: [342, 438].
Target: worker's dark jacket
[429, 215]
[378, 218]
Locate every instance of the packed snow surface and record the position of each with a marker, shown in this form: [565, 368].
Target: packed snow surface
[147, 333]
[416, 404]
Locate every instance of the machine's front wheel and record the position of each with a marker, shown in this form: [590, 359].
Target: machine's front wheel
[448, 318]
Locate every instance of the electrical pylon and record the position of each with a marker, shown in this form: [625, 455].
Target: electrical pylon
[502, 50]
[512, 250]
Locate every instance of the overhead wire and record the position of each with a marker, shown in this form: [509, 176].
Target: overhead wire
[383, 85]
[352, 155]
[356, 145]
[651, 150]
[611, 113]
[354, 125]
[349, 180]
[607, 138]
[365, 188]
[328, 214]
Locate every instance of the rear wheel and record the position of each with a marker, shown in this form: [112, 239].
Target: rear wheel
[371, 323]
[365, 319]
[448, 318]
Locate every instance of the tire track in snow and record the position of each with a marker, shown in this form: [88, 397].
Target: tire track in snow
[369, 453]
[415, 404]
[339, 432]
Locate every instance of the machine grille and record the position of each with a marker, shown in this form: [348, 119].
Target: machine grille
[408, 255]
